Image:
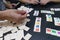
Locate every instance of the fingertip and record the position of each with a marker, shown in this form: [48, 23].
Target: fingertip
[24, 16]
[21, 12]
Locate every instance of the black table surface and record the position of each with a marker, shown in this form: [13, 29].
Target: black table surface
[44, 24]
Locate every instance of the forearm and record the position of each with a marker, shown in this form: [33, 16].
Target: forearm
[55, 0]
[2, 15]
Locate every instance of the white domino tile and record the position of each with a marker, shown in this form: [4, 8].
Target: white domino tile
[24, 28]
[20, 35]
[55, 9]
[14, 30]
[1, 38]
[36, 13]
[7, 37]
[46, 11]
[27, 36]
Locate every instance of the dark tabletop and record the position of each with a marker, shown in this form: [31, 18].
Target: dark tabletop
[42, 35]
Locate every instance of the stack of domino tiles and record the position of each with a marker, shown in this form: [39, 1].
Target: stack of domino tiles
[6, 27]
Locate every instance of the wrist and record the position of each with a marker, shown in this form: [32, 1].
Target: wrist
[3, 15]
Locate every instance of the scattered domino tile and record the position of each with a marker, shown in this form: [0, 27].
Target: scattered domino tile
[27, 36]
[37, 26]
[46, 11]
[8, 28]
[1, 38]
[55, 9]
[48, 30]
[24, 27]
[7, 37]
[12, 36]
[29, 10]
[14, 30]
[36, 13]
[49, 18]
[28, 15]
[5, 23]
[25, 9]
[16, 36]
[53, 32]
[58, 33]
[57, 21]
[1, 33]
[26, 20]
[20, 35]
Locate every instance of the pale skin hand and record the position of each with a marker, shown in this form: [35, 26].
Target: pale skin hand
[44, 2]
[11, 5]
[30, 1]
[13, 15]
[55, 1]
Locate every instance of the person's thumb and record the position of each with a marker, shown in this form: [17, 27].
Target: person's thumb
[21, 12]
[23, 16]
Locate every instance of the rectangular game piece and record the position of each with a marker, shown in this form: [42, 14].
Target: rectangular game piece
[1, 33]
[46, 11]
[48, 30]
[14, 30]
[28, 15]
[54, 32]
[25, 9]
[8, 28]
[27, 36]
[1, 38]
[49, 18]
[37, 26]
[23, 27]
[17, 36]
[13, 36]
[36, 13]
[58, 33]
[55, 9]
[20, 35]
[7, 37]
[57, 21]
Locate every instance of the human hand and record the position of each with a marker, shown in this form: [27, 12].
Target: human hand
[14, 15]
[44, 2]
[9, 6]
[30, 1]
